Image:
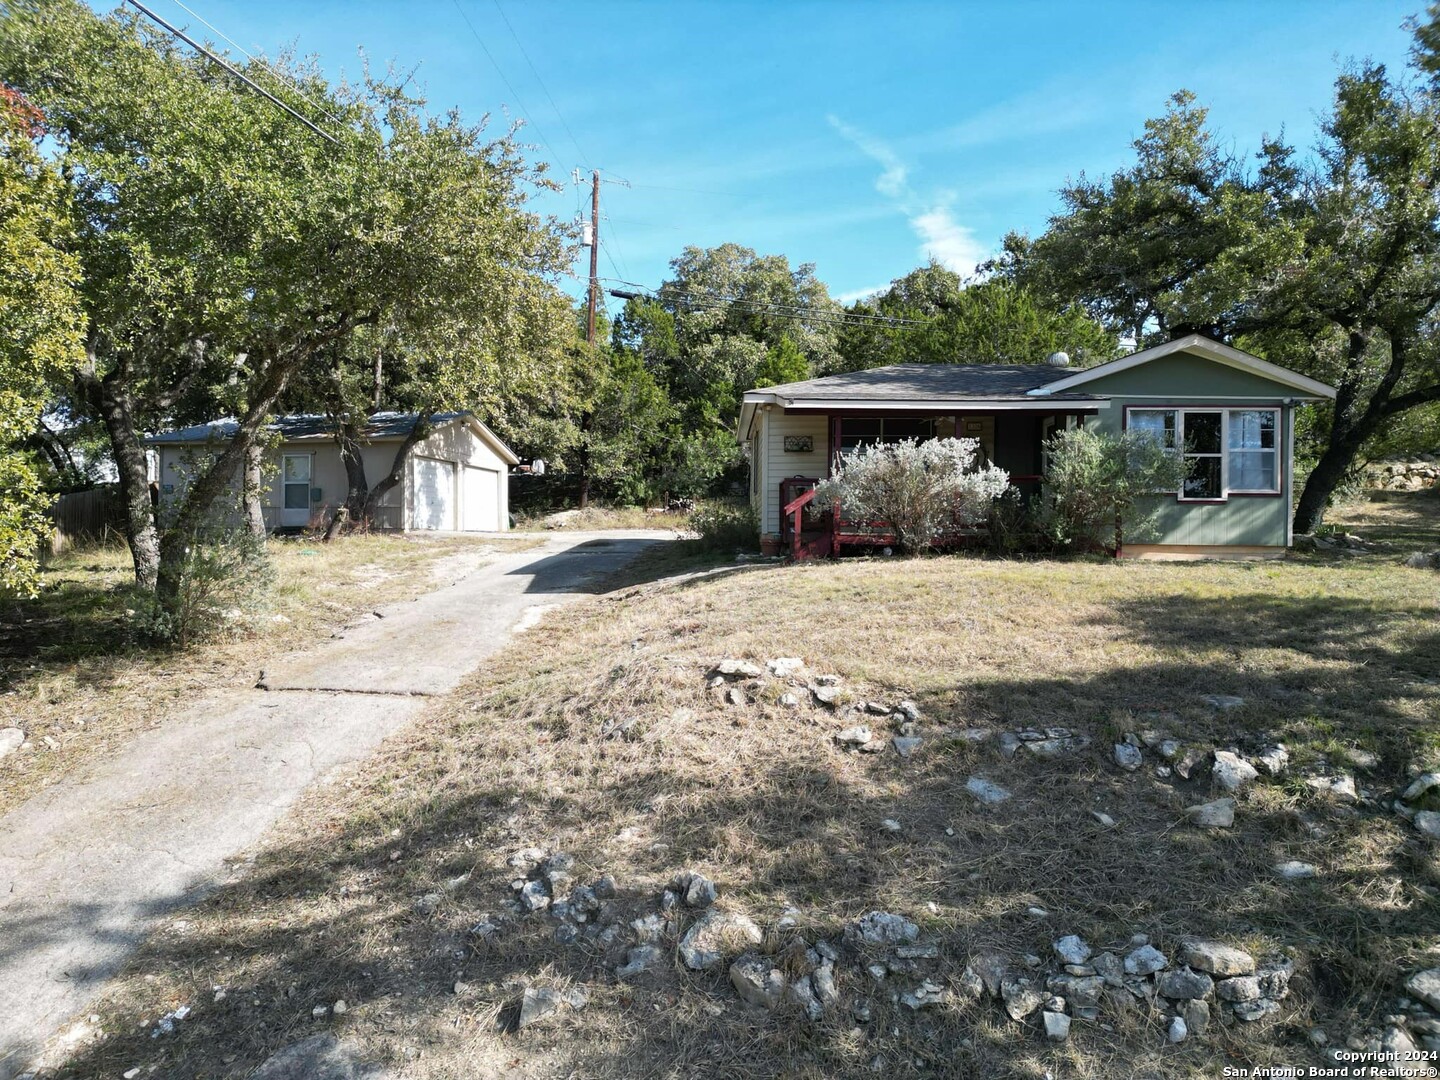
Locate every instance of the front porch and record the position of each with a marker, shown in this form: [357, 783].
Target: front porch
[1012, 439]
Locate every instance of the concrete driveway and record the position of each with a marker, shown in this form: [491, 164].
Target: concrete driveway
[88, 867]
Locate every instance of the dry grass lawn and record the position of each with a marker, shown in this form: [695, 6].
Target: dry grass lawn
[608, 517]
[74, 677]
[1330, 655]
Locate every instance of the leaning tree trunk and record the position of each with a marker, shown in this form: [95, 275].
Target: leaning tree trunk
[117, 413]
[390, 480]
[254, 511]
[353, 510]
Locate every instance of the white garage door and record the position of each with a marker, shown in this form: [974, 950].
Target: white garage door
[433, 484]
[480, 499]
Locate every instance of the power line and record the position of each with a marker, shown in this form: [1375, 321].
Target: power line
[499, 71]
[232, 70]
[258, 61]
[543, 88]
[712, 302]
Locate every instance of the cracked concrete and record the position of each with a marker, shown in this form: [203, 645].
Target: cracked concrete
[91, 865]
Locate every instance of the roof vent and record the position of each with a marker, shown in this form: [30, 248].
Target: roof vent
[1058, 359]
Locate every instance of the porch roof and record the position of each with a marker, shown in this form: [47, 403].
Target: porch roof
[925, 387]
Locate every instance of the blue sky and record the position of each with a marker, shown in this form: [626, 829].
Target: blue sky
[862, 137]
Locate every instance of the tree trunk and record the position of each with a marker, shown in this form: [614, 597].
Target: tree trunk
[112, 402]
[254, 512]
[397, 468]
[353, 510]
[1327, 474]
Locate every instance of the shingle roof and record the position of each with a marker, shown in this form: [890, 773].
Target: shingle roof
[900, 382]
[300, 427]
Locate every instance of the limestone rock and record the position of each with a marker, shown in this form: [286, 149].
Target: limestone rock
[1294, 870]
[694, 888]
[320, 1057]
[757, 981]
[990, 794]
[1072, 949]
[858, 735]
[1419, 786]
[1178, 1031]
[11, 739]
[1196, 1014]
[716, 935]
[1425, 985]
[739, 669]
[1128, 757]
[926, 994]
[1182, 984]
[1341, 788]
[1428, 822]
[909, 711]
[1021, 997]
[1145, 960]
[1216, 958]
[1219, 814]
[906, 745]
[1239, 988]
[989, 968]
[882, 928]
[1082, 991]
[1231, 771]
[639, 960]
[1057, 1026]
[538, 1002]
[826, 695]
[782, 667]
[1273, 759]
[1250, 1011]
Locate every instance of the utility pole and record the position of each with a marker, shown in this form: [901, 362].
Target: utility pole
[594, 255]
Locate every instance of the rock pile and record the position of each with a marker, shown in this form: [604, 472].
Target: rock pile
[1336, 543]
[1413, 474]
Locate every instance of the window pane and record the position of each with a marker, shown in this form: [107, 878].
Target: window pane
[1159, 423]
[859, 428]
[1202, 433]
[297, 468]
[297, 496]
[905, 427]
[1252, 470]
[1252, 429]
[1203, 479]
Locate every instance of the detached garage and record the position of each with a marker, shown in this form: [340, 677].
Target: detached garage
[456, 478]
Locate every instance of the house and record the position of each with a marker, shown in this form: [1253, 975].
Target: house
[457, 477]
[1230, 414]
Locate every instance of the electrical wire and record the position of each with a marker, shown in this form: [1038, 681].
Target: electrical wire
[499, 71]
[713, 302]
[543, 88]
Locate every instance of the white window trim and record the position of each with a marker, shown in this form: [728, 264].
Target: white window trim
[1181, 411]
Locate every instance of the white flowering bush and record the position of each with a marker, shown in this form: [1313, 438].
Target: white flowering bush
[922, 489]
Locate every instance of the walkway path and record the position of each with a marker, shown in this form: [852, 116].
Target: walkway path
[88, 867]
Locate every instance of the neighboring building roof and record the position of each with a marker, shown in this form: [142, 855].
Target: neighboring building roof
[1200, 346]
[302, 426]
[306, 427]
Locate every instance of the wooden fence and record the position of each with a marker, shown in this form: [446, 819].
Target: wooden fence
[94, 516]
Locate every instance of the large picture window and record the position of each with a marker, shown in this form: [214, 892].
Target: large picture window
[858, 431]
[1226, 451]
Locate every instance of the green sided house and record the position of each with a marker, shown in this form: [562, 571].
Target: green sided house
[1230, 414]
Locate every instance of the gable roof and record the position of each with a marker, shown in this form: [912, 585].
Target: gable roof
[1200, 345]
[938, 382]
[313, 427]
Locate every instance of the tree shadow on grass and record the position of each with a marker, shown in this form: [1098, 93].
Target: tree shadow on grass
[781, 817]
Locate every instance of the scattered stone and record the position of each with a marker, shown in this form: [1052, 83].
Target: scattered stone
[638, 960]
[823, 981]
[715, 936]
[1216, 958]
[1294, 870]
[1423, 560]
[918, 952]
[427, 904]
[1273, 759]
[1425, 985]
[1185, 767]
[906, 745]
[1275, 980]
[735, 696]
[1057, 745]
[1340, 788]
[1428, 822]
[539, 1002]
[988, 793]
[319, 1012]
[858, 735]
[604, 887]
[1178, 1030]
[11, 739]
[1109, 967]
[1057, 1026]
[1169, 749]
[1239, 988]
[1419, 786]
[1103, 819]
[1231, 771]
[782, 667]
[826, 695]
[739, 669]
[695, 889]
[320, 1057]
[926, 994]
[756, 981]
[1009, 742]
[1072, 949]
[526, 859]
[1398, 1044]
[1318, 1037]
[533, 896]
[909, 711]
[883, 928]
[1196, 1014]
[827, 680]
[1128, 757]
[1219, 814]
[890, 825]
[1081, 990]
[1250, 1011]
[1021, 997]
[1182, 984]
[989, 968]
[802, 993]
[1146, 960]
[789, 700]
[340, 1008]
[1224, 702]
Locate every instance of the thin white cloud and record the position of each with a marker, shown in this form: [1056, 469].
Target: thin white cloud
[850, 297]
[942, 237]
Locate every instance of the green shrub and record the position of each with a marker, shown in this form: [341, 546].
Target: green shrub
[726, 526]
[225, 580]
[1097, 486]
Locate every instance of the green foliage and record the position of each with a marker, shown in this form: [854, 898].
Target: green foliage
[1097, 484]
[40, 328]
[224, 581]
[990, 322]
[921, 489]
[784, 363]
[725, 526]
